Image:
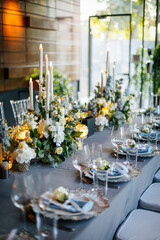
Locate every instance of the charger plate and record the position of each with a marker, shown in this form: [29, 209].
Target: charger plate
[100, 204]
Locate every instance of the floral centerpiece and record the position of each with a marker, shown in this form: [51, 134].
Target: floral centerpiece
[53, 139]
[112, 105]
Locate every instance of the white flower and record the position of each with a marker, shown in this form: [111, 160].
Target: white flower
[24, 153]
[62, 110]
[69, 106]
[101, 121]
[102, 164]
[100, 101]
[59, 150]
[131, 143]
[113, 106]
[60, 194]
[62, 121]
[43, 94]
[52, 128]
[126, 108]
[32, 124]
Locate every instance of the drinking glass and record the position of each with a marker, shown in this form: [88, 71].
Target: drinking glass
[45, 184]
[152, 137]
[79, 162]
[21, 197]
[131, 156]
[96, 153]
[117, 138]
[102, 181]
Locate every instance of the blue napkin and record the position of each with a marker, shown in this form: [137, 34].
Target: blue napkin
[147, 149]
[145, 135]
[158, 123]
[114, 173]
[84, 205]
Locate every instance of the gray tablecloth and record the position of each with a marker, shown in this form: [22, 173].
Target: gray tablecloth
[122, 200]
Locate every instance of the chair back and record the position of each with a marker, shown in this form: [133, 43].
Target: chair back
[2, 111]
[19, 108]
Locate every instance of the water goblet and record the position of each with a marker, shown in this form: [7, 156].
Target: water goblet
[117, 138]
[21, 198]
[79, 162]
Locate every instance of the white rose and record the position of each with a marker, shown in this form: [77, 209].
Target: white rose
[59, 150]
[60, 194]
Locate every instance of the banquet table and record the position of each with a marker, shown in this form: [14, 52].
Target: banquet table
[121, 201]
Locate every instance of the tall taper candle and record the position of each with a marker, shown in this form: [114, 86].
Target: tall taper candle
[114, 82]
[51, 81]
[107, 63]
[31, 93]
[40, 64]
[101, 82]
[47, 95]
[46, 66]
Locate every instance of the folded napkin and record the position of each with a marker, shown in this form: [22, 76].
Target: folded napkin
[145, 135]
[141, 148]
[73, 205]
[114, 173]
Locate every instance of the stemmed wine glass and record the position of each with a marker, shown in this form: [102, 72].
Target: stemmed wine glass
[117, 137]
[21, 198]
[80, 161]
[96, 153]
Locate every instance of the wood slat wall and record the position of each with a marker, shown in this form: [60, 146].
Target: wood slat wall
[24, 24]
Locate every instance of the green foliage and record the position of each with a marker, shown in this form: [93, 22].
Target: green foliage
[156, 69]
[62, 84]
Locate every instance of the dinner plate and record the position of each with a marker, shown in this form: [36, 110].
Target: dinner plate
[100, 204]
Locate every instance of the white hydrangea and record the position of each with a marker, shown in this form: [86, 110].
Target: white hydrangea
[101, 121]
[24, 153]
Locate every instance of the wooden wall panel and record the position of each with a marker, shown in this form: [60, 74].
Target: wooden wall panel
[24, 24]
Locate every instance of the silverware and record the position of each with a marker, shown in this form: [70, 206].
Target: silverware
[65, 228]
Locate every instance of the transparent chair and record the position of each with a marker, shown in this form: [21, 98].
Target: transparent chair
[2, 111]
[19, 108]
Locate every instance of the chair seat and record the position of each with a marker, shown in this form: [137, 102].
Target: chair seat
[140, 225]
[157, 176]
[150, 199]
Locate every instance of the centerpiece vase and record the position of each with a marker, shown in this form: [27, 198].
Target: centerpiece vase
[23, 167]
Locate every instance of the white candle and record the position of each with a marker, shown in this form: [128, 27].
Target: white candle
[46, 66]
[31, 93]
[41, 64]
[101, 82]
[51, 80]
[107, 63]
[47, 90]
[113, 81]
